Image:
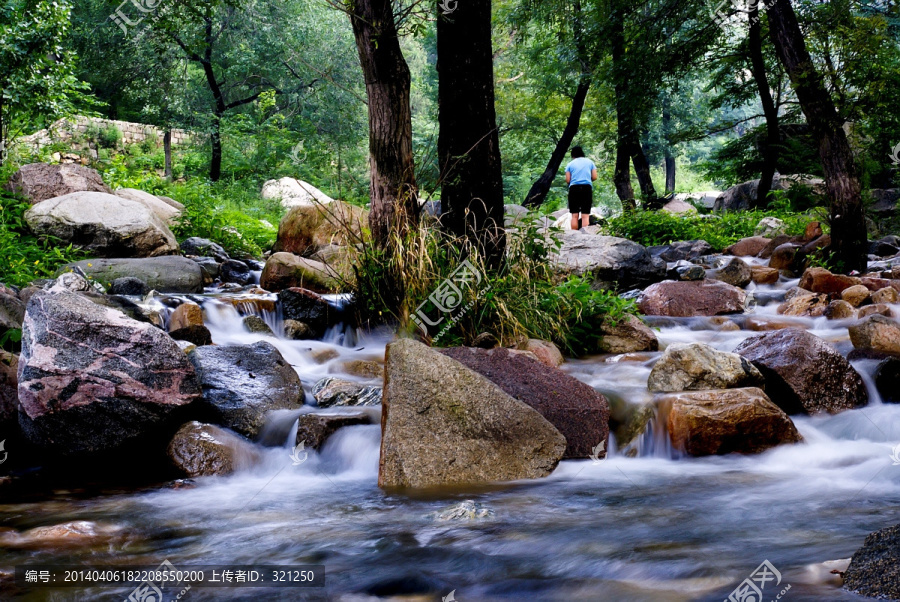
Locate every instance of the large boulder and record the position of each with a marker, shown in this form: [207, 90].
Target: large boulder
[163, 274]
[610, 261]
[574, 408]
[294, 193]
[697, 366]
[307, 228]
[682, 250]
[163, 210]
[200, 450]
[741, 196]
[803, 373]
[308, 307]
[242, 383]
[694, 298]
[628, 335]
[444, 424]
[874, 570]
[92, 379]
[884, 201]
[286, 270]
[876, 333]
[104, 224]
[39, 181]
[820, 280]
[717, 422]
[203, 247]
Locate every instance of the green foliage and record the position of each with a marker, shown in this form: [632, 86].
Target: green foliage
[26, 257]
[660, 227]
[109, 137]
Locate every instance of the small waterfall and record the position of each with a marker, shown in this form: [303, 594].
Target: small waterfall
[654, 441]
[866, 369]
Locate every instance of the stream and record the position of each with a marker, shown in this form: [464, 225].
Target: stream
[654, 527]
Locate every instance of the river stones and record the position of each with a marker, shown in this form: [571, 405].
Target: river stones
[735, 272]
[839, 310]
[856, 295]
[697, 366]
[330, 392]
[748, 247]
[242, 383]
[308, 307]
[163, 274]
[545, 351]
[238, 272]
[611, 262]
[874, 570]
[40, 181]
[307, 228]
[577, 411]
[761, 274]
[682, 250]
[199, 450]
[91, 379]
[803, 373]
[808, 304]
[286, 270]
[444, 424]
[9, 384]
[629, 335]
[687, 299]
[314, 429]
[104, 224]
[886, 295]
[717, 422]
[887, 379]
[186, 314]
[820, 280]
[129, 286]
[876, 333]
[203, 247]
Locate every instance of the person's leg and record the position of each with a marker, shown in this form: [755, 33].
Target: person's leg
[574, 223]
[585, 220]
[574, 200]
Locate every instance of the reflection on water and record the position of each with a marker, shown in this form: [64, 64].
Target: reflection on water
[644, 528]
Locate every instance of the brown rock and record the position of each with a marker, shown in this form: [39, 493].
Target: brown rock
[886, 295]
[764, 274]
[39, 181]
[820, 280]
[697, 366]
[812, 232]
[839, 310]
[877, 309]
[314, 429]
[199, 449]
[783, 257]
[362, 368]
[736, 273]
[776, 242]
[877, 333]
[574, 408]
[324, 354]
[856, 295]
[804, 305]
[717, 422]
[803, 373]
[197, 334]
[765, 325]
[546, 352]
[822, 242]
[628, 336]
[748, 247]
[306, 228]
[186, 314]
[286, 270]
[875, 284]
[444, 424]
[686, 299]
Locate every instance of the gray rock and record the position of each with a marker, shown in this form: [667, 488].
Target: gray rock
[874, 570]
[104, 224]
[513, 215]
[39, 181]
[122, 387]
[129, 285]
[445, 424]
[12, 310]
[769, 227]
[297, 331]
[210, 268]
[736, 273]
[627, 336]
[199, 450]
[308, 307]
[241, 383]
[686, 271]
[314, 429]
[163, 274]
[682, 250]
[611, 262]
[330, 392]
[164, 211]
[202, 247]
[803, 373]
[235, 271]
[884, 201]
[257, 324]
[465, 510]
[697, 366]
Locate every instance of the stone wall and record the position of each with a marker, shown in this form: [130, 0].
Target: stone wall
[132, 133]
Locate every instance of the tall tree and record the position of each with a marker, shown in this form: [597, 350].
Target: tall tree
[468, 141]
[848, 228]
[758, 67]
[393, 184]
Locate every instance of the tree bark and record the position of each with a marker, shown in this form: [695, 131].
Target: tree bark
[215, 157]
[167, 151]
[622, 173]
[667, 151]
[773, 140]
[848, 228]
[641, 168]
[468, 142]
[393, 195]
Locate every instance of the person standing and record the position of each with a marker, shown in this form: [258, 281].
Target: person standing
[580, 175]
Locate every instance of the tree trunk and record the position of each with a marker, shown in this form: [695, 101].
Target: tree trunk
[393, 185]
[468, 142]
[771, 146]
[667, 151]
[215, 159]
[541, 187]
[167, 151]
[641, 168]
[848, 227]
[670, 172]
[622, 173]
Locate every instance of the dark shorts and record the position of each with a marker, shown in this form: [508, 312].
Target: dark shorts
[581, 197]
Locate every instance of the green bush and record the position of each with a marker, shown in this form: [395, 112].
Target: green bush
[109, 137]
[651, 228]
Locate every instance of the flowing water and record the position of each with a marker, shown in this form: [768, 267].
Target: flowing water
[651, 527]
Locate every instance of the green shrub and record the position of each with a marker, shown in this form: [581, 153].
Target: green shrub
[109, 137]
[651, 228]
